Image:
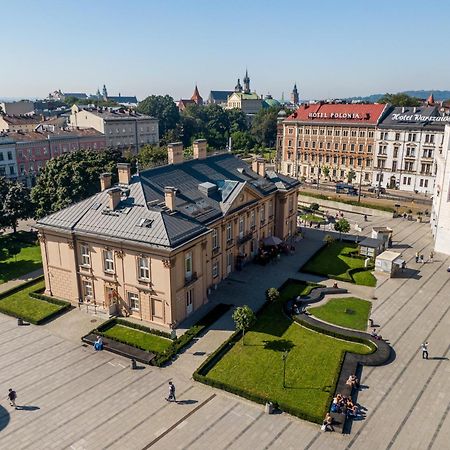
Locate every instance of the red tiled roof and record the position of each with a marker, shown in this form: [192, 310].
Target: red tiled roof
[338, 113]
[196, 97]
[19, 120]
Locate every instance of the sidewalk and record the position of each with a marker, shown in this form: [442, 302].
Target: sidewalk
[18, 281]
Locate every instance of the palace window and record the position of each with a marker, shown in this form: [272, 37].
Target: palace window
[229, 231]
[215, 269]
[215, 239]
[108, 261]
[263, 214]
[143, 268]
[188, 266]
[88, 290]
[85, 255]
[133, 301]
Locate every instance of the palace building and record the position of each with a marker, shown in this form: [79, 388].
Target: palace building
[155, 245]
[326, 140]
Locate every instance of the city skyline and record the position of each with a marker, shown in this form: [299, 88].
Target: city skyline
[336, 51]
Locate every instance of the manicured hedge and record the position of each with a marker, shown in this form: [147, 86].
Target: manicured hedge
[347, 202]
[21, 286]
[137, 326]
[47, 298]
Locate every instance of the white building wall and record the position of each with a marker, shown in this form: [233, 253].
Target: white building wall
[440, 214]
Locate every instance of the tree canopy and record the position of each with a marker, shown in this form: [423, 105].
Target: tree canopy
[15, 203]
[243, 317]
[149, 156]
[264, 126]
[164, 109]
[399, 99]
[72, 177]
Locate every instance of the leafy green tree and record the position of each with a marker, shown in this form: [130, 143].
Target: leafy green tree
[238, 120]
[314, 207]
[164, 109]
[351, 175]
[328, 240]
[243, 317]
[342, 226]
[399, 99]
[149, 156]
[15, 203]
[72, 177]
[264, 126]
[326, 171]
[272, 294]
[242, 140]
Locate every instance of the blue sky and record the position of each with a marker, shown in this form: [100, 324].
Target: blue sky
[331, 48]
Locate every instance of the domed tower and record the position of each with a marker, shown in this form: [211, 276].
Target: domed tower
[238, 87]
[294, 95]
[246, 83]
[196, 97]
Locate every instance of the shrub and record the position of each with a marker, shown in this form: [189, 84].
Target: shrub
[329, 240]
[314, 207]
[272, 294]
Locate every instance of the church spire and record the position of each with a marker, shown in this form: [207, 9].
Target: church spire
[238, 87]
[294, 95]
[196, 97]
[246, 83]
[105, 93]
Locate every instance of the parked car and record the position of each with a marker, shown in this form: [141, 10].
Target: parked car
[377, 189]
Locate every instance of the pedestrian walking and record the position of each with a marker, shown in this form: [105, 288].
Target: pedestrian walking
[422, 260]
[12, 395]
[431, 256]
[424, 348]
[171, 397]
[417, 257]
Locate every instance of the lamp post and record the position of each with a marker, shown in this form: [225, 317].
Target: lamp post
[284, 356]
[360, 181]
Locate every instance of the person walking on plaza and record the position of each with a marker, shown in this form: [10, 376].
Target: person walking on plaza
[12, 397]
[424, 348]
[422, 260]
[431, 256]
[417, 257]
[171, 397]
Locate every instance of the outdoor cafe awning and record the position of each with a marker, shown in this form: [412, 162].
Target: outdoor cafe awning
[272, 241]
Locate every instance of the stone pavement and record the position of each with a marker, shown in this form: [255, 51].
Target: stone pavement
[80, 399]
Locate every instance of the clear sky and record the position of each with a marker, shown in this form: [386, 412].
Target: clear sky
[331, 48]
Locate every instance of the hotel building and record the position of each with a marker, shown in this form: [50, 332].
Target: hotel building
[155, 245]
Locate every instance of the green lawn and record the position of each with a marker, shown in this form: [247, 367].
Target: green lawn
[312, 218]
[333, 261]
[19, 255]
[350, 312]
[141, 339]
[20, 304]
[312, 365]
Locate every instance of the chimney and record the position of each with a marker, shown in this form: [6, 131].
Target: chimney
[255, 165]
[199, 149]
[175, 152]
[105, 181]
[170, 194]
[259, 166]
[124, 173]
[114, 198]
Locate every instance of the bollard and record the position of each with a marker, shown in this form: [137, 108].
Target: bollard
[19, 321]
[133, 364]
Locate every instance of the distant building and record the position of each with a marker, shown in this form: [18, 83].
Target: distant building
[196, 99]
[295, 98]
[61, 96]
[123, 128]
[19, 123]
[242, 98]
[128, 101]
[219, 97]
[8, 163]
[17, 108]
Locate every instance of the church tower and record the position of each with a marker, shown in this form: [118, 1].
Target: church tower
[246, 83]
[105, 93]
[294, 95]
[196, 97]
[238, 87]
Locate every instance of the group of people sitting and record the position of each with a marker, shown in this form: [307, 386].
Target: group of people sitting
[352, 381]
[344, 405]
[375, 335]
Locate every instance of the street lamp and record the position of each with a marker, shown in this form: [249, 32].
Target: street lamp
[284, 356]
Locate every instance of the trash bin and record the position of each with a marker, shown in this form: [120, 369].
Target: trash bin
[269, 408]
[19, 321]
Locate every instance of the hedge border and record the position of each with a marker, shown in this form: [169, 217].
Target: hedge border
[347, 202]
[65, 306]
[177, 344]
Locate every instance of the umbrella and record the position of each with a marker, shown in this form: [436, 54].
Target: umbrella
[272, 241]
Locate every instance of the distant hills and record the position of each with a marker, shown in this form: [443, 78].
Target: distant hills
[438, 95]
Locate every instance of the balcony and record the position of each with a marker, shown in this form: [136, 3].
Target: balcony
[190, 278]
[245, 238]
[215, 251]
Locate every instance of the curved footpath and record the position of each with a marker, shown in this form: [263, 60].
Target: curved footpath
[352, 361]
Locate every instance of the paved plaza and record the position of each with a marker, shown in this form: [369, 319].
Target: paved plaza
[72, 397]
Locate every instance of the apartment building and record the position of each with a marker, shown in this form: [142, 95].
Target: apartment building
[331, 139]
[8, 162]
[19, 108]
[123, 128]
[19, 123]
[155, 245]
[407, 141]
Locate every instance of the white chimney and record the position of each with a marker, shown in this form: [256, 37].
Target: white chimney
[114, 198]
[175, 152]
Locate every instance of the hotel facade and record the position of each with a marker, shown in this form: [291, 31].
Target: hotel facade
[154, 246]
[333, 138]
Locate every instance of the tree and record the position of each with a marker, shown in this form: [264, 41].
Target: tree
[72, 177]
[399, 99]
[243, 317]
[342, 226]
[238, 120]
[351, 175]
[329, 240]
[164, 109]
[15, 203]
[242, 140]
[149, 156]
[272, 294]
[326, 171]
[314, 207]
[264, 126]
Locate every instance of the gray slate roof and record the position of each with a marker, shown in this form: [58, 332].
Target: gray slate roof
[371, 242]
[141, 215]
[413, 118]
[219, 96]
